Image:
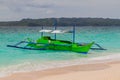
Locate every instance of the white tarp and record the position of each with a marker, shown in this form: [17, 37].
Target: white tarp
[45, 30]
[56, 31]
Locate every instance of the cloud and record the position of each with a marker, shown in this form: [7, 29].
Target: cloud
[40, 5]
[18, 9]
[22, 5]
[49, 11]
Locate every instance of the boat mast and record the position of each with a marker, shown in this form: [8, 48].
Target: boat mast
[55, 33]
[42, 32]
[73, 34]
[55, 27]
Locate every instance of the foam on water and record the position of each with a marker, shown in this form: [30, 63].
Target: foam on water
[33, 66]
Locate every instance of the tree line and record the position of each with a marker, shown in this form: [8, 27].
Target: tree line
[64, 22]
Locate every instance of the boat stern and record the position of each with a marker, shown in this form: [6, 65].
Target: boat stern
[84, 48]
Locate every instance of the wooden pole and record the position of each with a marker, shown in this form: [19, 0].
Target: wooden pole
[42, 32]
[73, 34]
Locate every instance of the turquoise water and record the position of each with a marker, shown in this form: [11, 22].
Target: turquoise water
[19, 59]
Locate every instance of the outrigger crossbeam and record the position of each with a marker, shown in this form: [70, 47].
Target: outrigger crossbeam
[98, 47]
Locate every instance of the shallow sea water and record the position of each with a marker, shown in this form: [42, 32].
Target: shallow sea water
[18, 60]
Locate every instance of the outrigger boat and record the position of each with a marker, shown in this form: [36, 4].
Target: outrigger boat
[46, 43]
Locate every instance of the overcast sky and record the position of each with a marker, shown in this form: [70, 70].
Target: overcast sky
[11, 10]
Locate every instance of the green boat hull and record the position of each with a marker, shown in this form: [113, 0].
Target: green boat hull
[52, 44]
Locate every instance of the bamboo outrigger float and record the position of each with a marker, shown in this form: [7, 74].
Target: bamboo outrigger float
[46, 43]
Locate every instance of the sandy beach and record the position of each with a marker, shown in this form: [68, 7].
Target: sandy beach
[98, 71]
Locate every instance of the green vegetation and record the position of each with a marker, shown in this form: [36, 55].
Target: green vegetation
[64, 22]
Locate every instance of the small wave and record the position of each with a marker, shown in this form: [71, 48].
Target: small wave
[111, 57]
[35, 66]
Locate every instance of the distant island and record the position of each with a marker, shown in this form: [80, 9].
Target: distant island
[64, 22]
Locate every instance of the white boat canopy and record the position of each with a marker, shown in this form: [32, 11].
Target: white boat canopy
[61, 31]
[45, 30]
[56, 31]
